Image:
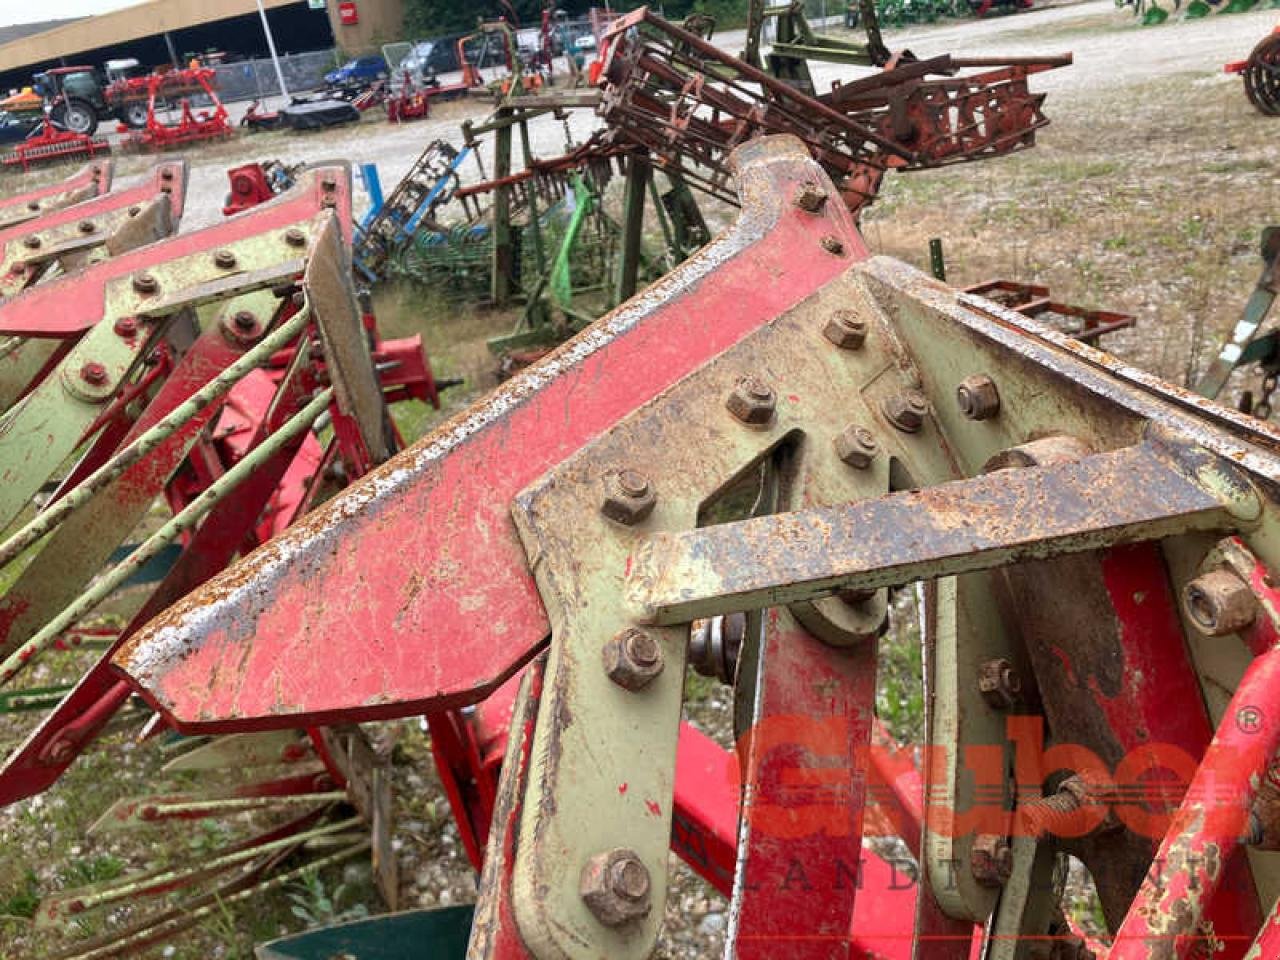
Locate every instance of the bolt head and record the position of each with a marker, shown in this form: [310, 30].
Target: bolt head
[145, 283]
[752, 401]
[833, 245]
[628, 497]
[978, 397]
[224, 259]
[1219, 603]
[93, 373]
[328, 183]
[810, 198]
[134, 210]
[87, 226]
[907, 410]
[991, 860]
[846, 330]
[856, 446]
[33, 204]
[999, 683]
[31, 242]
[166, 174]
[295, 237]
[632, 658]
[126, 327]
[615, 887]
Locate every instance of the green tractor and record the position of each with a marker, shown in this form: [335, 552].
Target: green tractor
[78, 100]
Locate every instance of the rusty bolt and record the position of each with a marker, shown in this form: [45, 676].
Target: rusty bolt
[856, 446]
[93, 373]
[33, 204]
[1056, 815]
[978, 397]
[166, 174]
[833, 245]
[615, 887]
[991, 860]
[224, 259]
[999, 684]
[126, 327]
[295, 237]
[633, 658]
[328, 183]
[31, 241]
[810, 198]
[628, 497]
[144, 283]
[1219, 603]
[907, 410]
[846, 330]
[87, 226]
[752, 401]
[135, 210]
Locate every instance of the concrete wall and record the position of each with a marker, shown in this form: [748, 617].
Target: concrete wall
[381, 21]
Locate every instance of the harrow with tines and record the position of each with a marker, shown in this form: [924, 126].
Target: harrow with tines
[814, 428]
[1261, 74]
[233, 372]
[676, 95]
[48, 143]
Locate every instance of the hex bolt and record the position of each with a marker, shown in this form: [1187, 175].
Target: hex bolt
[145, 283]
[633, 658]
[810, 198]
[906, 410]
[991, 860]
[33, 204]
[856, 446]
[93, 373]
[31, 241]
[978, 397]
[752, 401]
[87, 226]
[1219, 603]
[833, 245]
[135, 210]
[224, 259]
[245, 321]
[999, 684]
[846, 330]
[615, 887]
[295, 237]
[628, 497]
[126, 327]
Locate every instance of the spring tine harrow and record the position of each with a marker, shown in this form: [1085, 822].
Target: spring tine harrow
[92, 181]
[48, 143]
[1087, 535]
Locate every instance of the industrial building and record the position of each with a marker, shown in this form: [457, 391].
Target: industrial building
[164, 31]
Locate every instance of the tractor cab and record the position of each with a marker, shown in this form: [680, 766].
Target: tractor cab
[74, 96]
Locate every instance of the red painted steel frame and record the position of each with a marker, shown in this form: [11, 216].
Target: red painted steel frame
[404, 625]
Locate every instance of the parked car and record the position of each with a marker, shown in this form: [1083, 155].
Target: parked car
[359, 70]
[14, 129]
[430, 57]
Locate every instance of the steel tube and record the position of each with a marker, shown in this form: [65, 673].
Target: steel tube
[1165, 916]
[175, 526]
[45, 521]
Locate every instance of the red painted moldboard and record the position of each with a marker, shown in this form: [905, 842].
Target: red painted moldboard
[411, 591]
[74, 303]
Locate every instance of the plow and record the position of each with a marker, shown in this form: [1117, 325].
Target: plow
[757, 453]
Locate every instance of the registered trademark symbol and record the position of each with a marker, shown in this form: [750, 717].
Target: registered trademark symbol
[1249, 719]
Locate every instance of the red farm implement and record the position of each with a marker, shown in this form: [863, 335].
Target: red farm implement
[192, 125]
[92, 181]
[1261, 74]
[817, 429]
[47, 143]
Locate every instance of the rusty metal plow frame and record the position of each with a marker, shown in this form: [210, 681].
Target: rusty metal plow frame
[912, 433]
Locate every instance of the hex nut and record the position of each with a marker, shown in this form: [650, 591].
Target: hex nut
[615, 887]
[999, 684]
[628, 497]
[846, 330]
[93, 373]
[633, 658]
[87, 226]
[991, 860]
[145, 283]
[978, 397]
[295, 237]
[752, 401]
[810, 198]
[126, 327]
[224, 259]
[1219, 603]
[906, 410]
[31, 242]
[856, 446]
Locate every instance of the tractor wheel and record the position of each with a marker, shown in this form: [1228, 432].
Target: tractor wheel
[134, 114]
[78, 116]
[1262, 76]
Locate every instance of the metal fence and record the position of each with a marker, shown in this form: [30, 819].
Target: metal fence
[254, 79]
